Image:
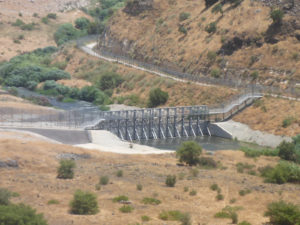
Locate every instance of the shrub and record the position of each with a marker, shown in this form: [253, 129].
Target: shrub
[209, 3]
[254, 75]
[183, 16]
[277, 16]
[286, 151]
[139, 187]
[229, 212]
[171, 180]
[66, 32]
[189, 152]
[219, 197]
[214, 187]
[53, 202]
[157, 97]
[20, 214]
[5, 195]
[66, 169]
[84, 203]
[171, 215]
[45, 20]
[104, 180]
[145, 218]
[217, 9]
[185, 219]
[110, 80]
[283, 213]
[52, 16]
[182, 29]
[211, 56]
[120, 198]
[193, 192]
[186, 189]
[82, 23]
[126, 209]
[282, 173]
[207, 163]
[90, 94]
[288, 121]
[253, 153]
[215, 73]
[244, 223]
[194, 172]
[244, 192]
[18, 23]
[119, 173]
[151, 201]
[241, 167]
[211, 28]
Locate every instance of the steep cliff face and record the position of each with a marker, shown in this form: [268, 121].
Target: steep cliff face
[238, 41]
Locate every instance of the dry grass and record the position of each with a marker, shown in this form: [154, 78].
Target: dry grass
[158, 29]
[36, 182]
[75, 83]
[270, 115]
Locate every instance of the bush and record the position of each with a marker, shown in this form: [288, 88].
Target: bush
[288, 121]
[209, 3]
[171, 180]
[151, 201]
[121, 198]
[145, 218]
[110, 80]
[189, 152]
[277, 16]
[207, 163]
[126, 209]
[241, 167]
[229, 212]
[52, 16]
[217, 9]
[120, 173]
[66, 32]
[53, 202]
[171, 215]
[84, 203]
[5, 195]
[244, 223]
[182, 29]
[104, 180]
[214, 187]
[244, 192]
[211, 28]
[253, 153]
[82, 23]
[215, 73]
[193, 192]
[282, 173]
[283, 213]
[185, 219]
[157, 97]
[66, 169]
[139, 187]
[220, 197]
[90, 94]
[20, 214]
[183, 16]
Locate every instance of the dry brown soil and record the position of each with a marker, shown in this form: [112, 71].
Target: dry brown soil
[35, 180]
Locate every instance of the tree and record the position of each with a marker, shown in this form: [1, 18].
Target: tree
[277, 16]
[20, 214]
[283, 213]
[66, 32]
[82, 23]
[84, 203]
[157, 97]
[65, 170]
[286, 151]
[189, 152]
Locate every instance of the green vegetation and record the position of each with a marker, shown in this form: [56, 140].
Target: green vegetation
[151, 201]
[241, 167]
[67, 32]
[157, 97]
[290, 150]
[229, 212]
[104, 180]
[209, 3]
[5, 196]
[217, 9]
[66, 169]
[120, 198]
[283, 213]
[145, 218]
[277, 16]
[171, 180]
[109, 81]
[211, 28]
[207, 163]
[171, 215]
[189, 152]
[288, 121]
[282, 173]
[244, 192]
[139, 187]
[253, 153]
[82, 23]
[244, 223]
[53, 202]
[182, 29]
[126, 209]
[215, 73]
[20, 214]
[24, 26]
[119, 173]
[184, 16]
[193, 192]
[52, 16]
[84, 203]
[220, 197]
[214, 187]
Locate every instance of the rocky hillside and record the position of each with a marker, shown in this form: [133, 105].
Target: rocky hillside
[232, 39]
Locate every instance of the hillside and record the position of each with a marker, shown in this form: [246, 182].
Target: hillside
[245, 45]
[35, 181]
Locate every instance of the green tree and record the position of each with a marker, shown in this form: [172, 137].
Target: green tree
[283, 213]
[84, 203]
[66, 32]
[82, 23]
[20, 215]
[286, 151]
[189, 152]
[66, 169]
[157, 97]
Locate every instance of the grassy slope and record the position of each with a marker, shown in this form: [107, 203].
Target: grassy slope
[37, 184]
[158, 29]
